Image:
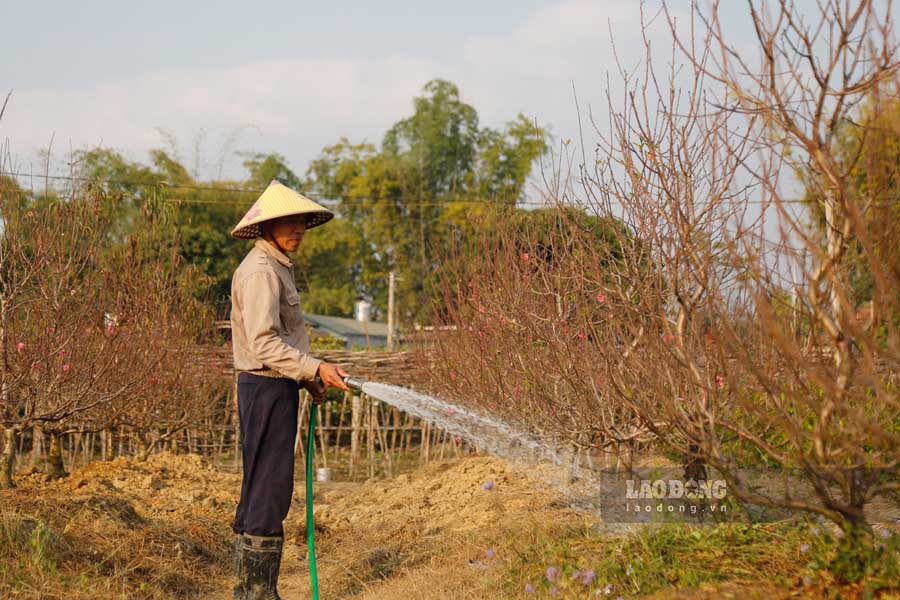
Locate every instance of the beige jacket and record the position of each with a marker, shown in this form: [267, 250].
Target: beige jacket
[267, 328]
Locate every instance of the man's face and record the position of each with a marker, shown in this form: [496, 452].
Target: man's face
[288, 231]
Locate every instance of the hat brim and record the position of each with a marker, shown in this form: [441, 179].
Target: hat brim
[254, 230]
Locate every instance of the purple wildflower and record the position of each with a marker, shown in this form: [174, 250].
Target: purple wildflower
[584, 577]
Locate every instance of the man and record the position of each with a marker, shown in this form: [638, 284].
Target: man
[271, 355]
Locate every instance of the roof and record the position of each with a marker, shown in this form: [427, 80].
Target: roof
[343, 326]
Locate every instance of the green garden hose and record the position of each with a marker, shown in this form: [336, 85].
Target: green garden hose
[310, 522]
[353, 383]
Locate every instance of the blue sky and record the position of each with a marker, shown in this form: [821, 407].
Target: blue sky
[292, 77]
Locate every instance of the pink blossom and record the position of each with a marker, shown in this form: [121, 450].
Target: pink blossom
[72, 292]
[20, 346]
[601, 298]
[62, 352]
[110, 329]
[457, 439]
[65, 368]
[581, 335]
[720, 381]
[524, 256]
[50, 330]
[668, 338]
[493, 405]
[451, 410]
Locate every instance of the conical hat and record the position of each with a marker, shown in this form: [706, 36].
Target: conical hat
[279, 201]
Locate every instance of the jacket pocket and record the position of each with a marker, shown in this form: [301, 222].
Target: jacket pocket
[292, 313]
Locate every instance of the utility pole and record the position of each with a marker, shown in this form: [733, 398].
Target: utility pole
[390, 317]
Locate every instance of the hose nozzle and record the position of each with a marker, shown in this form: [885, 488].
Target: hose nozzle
[354, 383]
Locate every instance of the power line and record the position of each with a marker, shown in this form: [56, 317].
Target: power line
[346, 201]
[351, 201]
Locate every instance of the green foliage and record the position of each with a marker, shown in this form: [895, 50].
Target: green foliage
[40, 542]
[655, 558]
[435, 173]
[506, 158]
[860, 556]
[401, 206]
[264, 168]
[330, 262]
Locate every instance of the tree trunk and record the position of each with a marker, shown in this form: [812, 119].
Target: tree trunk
[7, 458]
[144, 447]
[37, 445]
[855, 550]
[55, 468]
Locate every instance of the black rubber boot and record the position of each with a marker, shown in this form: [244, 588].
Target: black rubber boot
[261, 564]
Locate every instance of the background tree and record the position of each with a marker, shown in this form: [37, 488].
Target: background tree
[410, 197]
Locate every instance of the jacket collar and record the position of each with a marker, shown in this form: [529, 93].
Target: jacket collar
[274, 252]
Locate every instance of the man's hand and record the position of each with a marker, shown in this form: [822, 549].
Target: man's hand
[332, 375]
[316, 390]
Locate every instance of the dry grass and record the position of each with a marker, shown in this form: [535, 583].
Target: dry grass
[103, 533]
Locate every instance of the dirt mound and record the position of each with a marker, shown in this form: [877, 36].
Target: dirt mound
[455, 496]
[164, 483]
[376, 534]
[153, 529]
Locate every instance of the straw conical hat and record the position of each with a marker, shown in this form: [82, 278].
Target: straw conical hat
[280, 201]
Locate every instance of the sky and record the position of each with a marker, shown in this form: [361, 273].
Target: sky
[225, 77]
[292, 77]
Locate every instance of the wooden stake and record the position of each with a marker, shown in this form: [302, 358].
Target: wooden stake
[340, 426]
[322, 440]
[356, 422]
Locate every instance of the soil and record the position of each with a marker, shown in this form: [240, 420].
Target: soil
[428, 533]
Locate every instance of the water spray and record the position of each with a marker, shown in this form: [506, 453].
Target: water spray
[491, 434]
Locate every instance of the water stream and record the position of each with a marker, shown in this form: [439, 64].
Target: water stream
[581, 483]
[522, 449]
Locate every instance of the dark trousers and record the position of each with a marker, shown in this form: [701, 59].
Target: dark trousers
[268, 416]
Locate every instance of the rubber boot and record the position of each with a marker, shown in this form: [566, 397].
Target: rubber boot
[240, 591]
[261, 564]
